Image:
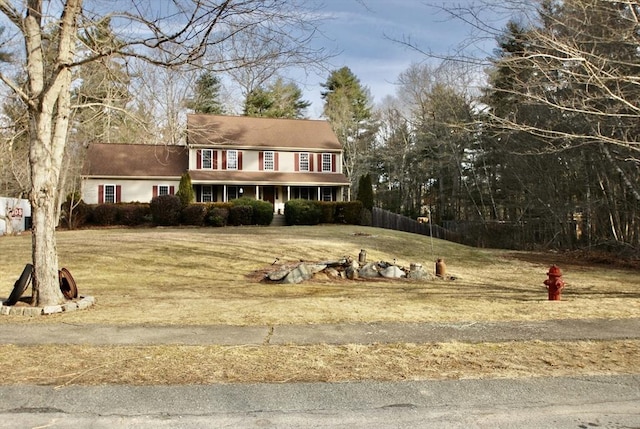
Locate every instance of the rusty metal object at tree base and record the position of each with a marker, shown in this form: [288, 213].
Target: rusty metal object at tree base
[67, 284]
[554, 283]
[20, 286]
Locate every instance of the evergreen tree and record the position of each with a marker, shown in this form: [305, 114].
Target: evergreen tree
[207, 95]
[277, 100]
[348, 109]
[185, 190]
[365, 191]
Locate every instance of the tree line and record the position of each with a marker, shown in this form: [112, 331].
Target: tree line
[543, 153]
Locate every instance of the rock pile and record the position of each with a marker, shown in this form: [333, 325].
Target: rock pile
[347, 268]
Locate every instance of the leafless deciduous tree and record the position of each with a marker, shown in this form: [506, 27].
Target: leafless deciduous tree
[176, 33]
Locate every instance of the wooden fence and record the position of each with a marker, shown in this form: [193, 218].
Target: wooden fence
[388, 220]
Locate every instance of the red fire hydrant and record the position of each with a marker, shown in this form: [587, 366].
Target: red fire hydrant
[554, 283]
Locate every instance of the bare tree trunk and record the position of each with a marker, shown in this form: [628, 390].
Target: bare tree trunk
[49, 123]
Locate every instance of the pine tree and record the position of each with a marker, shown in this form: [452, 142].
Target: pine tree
[348, 108]
[278, 100]
[207, 95]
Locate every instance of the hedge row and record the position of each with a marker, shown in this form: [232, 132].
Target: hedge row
[166, 210]
[308, 212]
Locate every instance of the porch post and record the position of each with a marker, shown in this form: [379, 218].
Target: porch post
[224, 193]
[257, 192]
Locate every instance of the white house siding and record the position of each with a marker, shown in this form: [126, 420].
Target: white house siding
[133, 190]
[251, 159]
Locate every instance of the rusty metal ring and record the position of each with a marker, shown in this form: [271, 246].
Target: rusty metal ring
[67, 284]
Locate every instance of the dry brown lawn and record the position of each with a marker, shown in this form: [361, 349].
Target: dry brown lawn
[192, 276]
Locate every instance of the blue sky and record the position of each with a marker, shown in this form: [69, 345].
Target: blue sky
[360, 31]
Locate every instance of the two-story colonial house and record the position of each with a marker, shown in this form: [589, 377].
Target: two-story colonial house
[227, 157]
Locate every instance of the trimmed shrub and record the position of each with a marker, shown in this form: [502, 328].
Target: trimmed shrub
[165, 210]
[262, 210]
[327, 211]
[302, 212]
[194, 214]
[217, 216]
[240, 215]
[349, 213]
[105, 214]
[133, 214]
[185, 190]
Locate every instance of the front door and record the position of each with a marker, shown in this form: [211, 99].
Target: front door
[268, 194]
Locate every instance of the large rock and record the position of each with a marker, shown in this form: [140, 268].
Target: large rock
[298, 274]
[369, 270]
[276, 276]
[392, 272]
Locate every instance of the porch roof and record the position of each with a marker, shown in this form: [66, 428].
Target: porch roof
[267, 178]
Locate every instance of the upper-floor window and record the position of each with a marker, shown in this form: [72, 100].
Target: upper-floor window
[232, 160]
[207, 159]
[326, 162]
[304, 162]
[268, 161]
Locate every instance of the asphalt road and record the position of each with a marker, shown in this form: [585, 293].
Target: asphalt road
[556, 402]
[581, 403]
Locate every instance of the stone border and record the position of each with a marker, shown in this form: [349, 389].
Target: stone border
[81, 304]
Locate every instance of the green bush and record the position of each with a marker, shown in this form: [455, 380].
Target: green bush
[302, 212]
[349, 213]
[165, 210]
[104, 214]
[262, 210]
[194, 214]
[240, 215]
[133, 214]
[217, 214]
[185, 190]
[365, 191]
[327, 211]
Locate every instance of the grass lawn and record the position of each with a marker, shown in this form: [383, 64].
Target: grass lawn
[204, 276]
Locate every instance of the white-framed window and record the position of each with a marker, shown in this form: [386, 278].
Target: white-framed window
[304, 162]
[207, 194]
[110, 194]
[232, 160]
[207, 159]
[268, 161]
[163, 190]
[326, 162]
